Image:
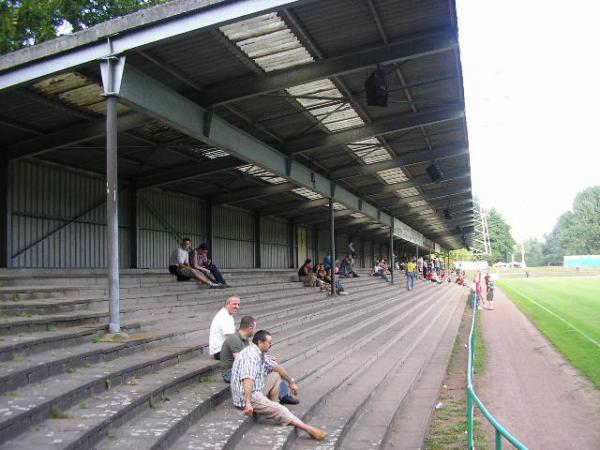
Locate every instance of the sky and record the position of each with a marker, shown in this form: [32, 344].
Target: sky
[531, 73]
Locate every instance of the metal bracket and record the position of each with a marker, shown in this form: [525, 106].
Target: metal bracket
[332, 190]
[360, 202]
[288, 169]
[111, 70]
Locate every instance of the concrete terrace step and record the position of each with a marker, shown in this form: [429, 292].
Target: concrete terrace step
[300, 331]
[307, 368]
[339, 389]
[25, 370]
[25, 322]
[30, 342]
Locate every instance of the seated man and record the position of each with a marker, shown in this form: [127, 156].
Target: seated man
[255, 381]
[347, 267]
[179, 265]
[222, 326]
[379, 270]
[202, 262]
[232, 347]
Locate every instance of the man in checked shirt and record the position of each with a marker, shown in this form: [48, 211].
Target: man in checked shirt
[255, 381]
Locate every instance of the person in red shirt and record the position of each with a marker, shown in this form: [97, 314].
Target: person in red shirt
[478, 292]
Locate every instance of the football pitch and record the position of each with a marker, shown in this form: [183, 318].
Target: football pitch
[567, 311]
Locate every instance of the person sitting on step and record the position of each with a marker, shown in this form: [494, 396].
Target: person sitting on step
[179, 265]
[255, 383]
[306, 275]
[347, 267]
[379, 270]
[222, 326]
[202, 262]
[232, 347]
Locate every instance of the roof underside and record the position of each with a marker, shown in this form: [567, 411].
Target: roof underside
[379, 154]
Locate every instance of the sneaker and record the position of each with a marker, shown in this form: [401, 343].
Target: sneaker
[289, 400]
[342, 293]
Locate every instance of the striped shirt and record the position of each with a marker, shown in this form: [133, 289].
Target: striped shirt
[250, 363]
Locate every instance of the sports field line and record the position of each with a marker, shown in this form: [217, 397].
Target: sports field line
[592, 340]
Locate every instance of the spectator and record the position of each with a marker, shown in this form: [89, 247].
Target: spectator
[306, 275]
[179, 265]
[222, 326]
[234, 344]
[347, 267]
[490, 296]
[255, 382]
[202, 262]
[487, 279]
[478, 291]
[411, 274]
[379, 271]
[350, 251]
[327, 262]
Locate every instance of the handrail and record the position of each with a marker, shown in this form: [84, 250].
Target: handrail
[472, 396]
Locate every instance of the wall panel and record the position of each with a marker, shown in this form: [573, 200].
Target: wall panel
[274, 246]
[233, 234]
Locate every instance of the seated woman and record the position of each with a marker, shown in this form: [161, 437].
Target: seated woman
[306, 275]
[379, 270]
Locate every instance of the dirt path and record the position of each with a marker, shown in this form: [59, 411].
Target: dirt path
[530, 388]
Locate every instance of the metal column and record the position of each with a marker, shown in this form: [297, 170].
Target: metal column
[209, 228]
[112, 214]
[332, 231]
[5, 213]
[392, 251]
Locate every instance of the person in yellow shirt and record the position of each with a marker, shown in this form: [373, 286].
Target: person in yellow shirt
[411, 274]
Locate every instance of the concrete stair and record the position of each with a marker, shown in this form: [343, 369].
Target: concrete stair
[358, 358]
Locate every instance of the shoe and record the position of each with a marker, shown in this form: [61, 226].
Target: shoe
[355, 275]
[342, 293]
[479, 308]
[317, 434]
[227, 285]
[289, 400]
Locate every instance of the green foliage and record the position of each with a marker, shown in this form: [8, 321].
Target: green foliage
[534, 253]
[576, 232]
[501, 240]
[28, 22]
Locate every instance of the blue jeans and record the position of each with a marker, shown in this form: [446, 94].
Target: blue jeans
[410, 282]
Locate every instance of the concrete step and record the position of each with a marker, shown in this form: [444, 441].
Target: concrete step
[339, 389]
[33, 368]
[26, 323]
[309, 369]
[117, 373]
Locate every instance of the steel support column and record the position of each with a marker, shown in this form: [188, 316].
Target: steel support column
[392, 252]
[332, 233]
[291, 242]
[209, 228]
[5, 213]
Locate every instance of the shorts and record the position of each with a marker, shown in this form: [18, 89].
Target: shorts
[268, 408]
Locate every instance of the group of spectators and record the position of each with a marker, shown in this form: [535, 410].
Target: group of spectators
[187, 264]
[486, 302]
[319, 275]
[259, 384]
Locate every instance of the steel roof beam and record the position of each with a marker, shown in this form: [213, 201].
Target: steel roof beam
[294, 206]
[417, 181]
[441, 194]
[241, 88]
[420, 157]
[251, 193]
[316, 218]
[376, 128]
[71, 135]
[186, 172]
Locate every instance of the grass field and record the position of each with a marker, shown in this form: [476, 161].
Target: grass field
[567, 311]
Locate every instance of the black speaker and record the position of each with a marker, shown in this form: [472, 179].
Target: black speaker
[435, 173]
[377, 89]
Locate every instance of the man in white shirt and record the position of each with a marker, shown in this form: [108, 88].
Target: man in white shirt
[222, 326]
[179, 264]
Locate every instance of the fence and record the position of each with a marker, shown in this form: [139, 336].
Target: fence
[473, 399]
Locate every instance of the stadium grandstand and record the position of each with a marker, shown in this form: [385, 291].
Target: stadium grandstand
[274, 131]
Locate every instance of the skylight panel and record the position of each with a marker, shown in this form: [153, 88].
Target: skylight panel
[408, 192]
[261, 173]
[392, 176]
[357, 215]
[311, 195]
[417, 203]
[338, 206]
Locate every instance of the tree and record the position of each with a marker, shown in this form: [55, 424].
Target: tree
[534, 252]
[576, 232]
[28, 22]
[501, 240]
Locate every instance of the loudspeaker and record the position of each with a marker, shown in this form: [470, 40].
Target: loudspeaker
[435, 173]
[377, 89]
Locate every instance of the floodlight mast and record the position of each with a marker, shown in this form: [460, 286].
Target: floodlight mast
[481, 244]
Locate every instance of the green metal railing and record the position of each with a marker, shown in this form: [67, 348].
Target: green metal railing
[472, 398]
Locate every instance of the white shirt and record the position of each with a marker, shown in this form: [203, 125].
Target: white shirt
[221, 325]
[179, 256]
